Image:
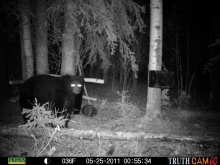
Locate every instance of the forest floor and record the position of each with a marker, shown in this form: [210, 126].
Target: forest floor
[186, 132]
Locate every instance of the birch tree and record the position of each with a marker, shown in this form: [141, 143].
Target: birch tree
[42, 65]
[25, 35]
[69, 45]
[155, 57]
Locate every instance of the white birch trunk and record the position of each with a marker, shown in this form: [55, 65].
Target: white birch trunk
[42, 65]
[155, 57]
[69, 45]
[26, 45]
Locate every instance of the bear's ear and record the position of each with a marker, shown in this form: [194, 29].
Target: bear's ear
[81, 78]
[67, 77]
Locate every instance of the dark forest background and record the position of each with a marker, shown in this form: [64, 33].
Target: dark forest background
[191, 49]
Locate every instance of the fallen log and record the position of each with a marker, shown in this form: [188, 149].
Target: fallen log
[107, 135]
[89, 80]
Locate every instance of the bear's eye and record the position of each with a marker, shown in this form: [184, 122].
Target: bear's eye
[76, 85]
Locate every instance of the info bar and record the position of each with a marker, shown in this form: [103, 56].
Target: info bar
[110, 160]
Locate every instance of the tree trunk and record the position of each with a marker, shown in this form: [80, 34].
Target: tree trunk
[134, 81]
[155, 60]
[121, 75]
[70, 54]
[91, 71]
[26, 46]
[188, 61]
[113, 80]
[3, 67]
[42, 65]
[214, 73]
[105, 76]
[97, 71]
[22, 50]
[11, 130]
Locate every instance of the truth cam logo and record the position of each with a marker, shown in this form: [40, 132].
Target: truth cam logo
[203, 161]
[194, 161]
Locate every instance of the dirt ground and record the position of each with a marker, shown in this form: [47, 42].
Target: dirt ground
[185, 132]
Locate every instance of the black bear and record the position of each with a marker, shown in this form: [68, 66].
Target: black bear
[62, 92]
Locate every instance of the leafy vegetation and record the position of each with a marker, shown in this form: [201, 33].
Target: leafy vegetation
[101, 27]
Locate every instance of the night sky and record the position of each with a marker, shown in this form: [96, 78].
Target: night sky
[201, 17]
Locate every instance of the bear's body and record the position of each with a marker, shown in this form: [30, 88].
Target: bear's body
[61, 92]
